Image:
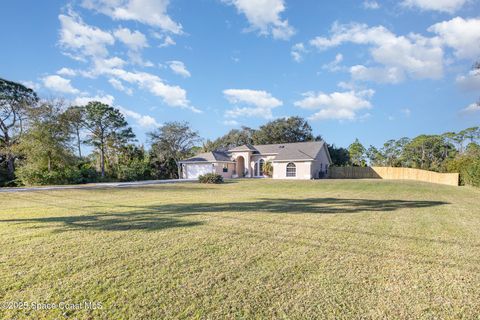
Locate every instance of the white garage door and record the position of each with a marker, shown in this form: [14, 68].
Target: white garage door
[195, 170]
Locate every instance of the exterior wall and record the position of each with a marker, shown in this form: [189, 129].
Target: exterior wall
[219, 169]
[246, 155]
[320, 165]
[256, 159]
[303, 170]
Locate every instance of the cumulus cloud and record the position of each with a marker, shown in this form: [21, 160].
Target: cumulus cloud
[135, 40]
[264, 16]
[179, 68]
[336, 105]
[448, 6]
[371, 5]
[463, 35]
[144, 121]
[335, 64]
[413, 55]
[297, 52]
[82, 101]
[59, 84]
[149, 12]
[474, 107]
[81, 39]
[119, 86]
[251, 103]
[470, 81]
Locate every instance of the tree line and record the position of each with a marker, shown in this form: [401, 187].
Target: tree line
[41, 143]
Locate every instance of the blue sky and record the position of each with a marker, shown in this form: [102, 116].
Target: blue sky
[373, 70]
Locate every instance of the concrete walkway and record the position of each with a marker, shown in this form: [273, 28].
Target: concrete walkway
[97, 185]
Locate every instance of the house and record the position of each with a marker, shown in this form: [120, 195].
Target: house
[300, 160]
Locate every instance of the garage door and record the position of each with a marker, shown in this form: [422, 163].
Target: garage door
[195, 170]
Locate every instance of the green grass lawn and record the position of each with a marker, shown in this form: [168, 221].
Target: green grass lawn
[245, 249]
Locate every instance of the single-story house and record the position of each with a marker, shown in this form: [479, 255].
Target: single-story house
[300, 160]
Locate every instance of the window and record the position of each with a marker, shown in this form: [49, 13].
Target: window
[225, 167]
[291, 170]
[255, 169]
[260, 171]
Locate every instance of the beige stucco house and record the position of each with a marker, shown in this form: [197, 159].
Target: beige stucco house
[301, 160]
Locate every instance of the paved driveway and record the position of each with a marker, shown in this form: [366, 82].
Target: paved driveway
[97, 185]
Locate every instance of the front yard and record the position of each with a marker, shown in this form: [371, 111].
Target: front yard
[244, 249]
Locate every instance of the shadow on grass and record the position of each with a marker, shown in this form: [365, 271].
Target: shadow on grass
[176, 215]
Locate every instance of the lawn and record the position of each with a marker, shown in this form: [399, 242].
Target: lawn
[246, 249]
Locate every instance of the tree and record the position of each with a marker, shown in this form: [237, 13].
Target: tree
[340, 156]
[75, 119]
[105, 123]
[284, 130]
[428, 152]
[15, 102]
[357, 153]
[376, 157]
[45, 146]
[234, 138]
[173, 141]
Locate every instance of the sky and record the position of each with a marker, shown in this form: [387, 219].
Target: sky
[372, 70]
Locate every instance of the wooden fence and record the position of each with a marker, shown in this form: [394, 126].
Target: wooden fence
[393, 173]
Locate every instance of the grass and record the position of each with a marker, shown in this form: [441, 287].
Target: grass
[245, 249]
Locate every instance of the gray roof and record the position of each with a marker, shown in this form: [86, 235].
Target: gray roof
[282, 151]
[209, 157]
[245, 147]
[291, 151]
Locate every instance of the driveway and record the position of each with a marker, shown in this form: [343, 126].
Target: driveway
[98, 185]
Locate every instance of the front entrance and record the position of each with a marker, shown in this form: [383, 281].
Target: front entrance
[240, 166]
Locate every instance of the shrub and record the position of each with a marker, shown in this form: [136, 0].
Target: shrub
[468, 168]
[134, 171]
[210, 178]
[268, 169]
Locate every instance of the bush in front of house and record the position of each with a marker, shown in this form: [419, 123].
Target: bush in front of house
[210, 178]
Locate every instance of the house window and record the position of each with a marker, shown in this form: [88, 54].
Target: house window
[291, 170]
[225, 167]
[261, 164]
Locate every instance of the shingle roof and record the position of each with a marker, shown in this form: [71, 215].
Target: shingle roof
[292, 151]
[282, 151]
[209, 157]
[245, 147]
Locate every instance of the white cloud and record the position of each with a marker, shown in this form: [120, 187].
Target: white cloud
[172, 95]
[83, 40]
[232, 123]
[144, 121]
[119, 86]
[297, 51]
[413, 55]
[258, 103]
[335, 64]
[167, 41]
[449, 6]
[336, 105]
[135, 40]
[179, 68]
[264, 16]
[106, 99]
[67, 72]
[381, 75]
[474, 107]
[471, 81]
[59, 84]
[463, 35]
[150, 12]
[406, 112]
[371, 4]
[31, 84]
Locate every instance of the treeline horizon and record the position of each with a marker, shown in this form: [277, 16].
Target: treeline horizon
[41, 143]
